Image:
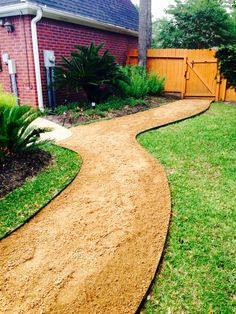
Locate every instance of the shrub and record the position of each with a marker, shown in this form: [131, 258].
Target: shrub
[7, 100]
[155, 84]
[227, 64]
[16, 134]
[89, 70]
[141, 84]
[138, 86]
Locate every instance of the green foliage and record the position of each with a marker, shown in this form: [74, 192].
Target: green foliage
[118, 103]
[227, 63]
[112, 103]
[35, 193]
[138, 87]
[70, 106]
[141, 84]
[88, 69]
[7, 100]
[155, 84]
[91, 112]
[195, 24]
[16, 134]
[229, 4]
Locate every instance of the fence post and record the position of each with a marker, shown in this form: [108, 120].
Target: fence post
[218, 86]
[184, 78]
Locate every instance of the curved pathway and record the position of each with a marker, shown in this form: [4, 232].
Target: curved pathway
[96, 247]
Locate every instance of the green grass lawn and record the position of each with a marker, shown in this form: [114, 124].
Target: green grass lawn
[197, 274]
[19, 205]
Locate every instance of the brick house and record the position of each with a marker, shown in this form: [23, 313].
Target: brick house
[28, 28]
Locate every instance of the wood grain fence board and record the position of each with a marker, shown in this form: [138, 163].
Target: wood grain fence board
[189, 72]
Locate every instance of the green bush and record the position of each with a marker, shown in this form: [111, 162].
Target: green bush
[138, 86]
[16, 134]
[155, 84]
[141, 83]
[90, 70]
[226, 56]
[7, 100]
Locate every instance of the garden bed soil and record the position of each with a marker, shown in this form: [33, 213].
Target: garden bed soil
[14, 171]
[68, 120]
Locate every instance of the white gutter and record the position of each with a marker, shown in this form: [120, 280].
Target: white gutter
[34, 22]
[31, 9]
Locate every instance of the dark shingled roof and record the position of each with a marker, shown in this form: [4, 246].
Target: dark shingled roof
[116, 12]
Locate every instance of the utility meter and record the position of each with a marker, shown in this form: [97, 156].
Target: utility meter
[49, 58]
[12, 66]
[49, 63]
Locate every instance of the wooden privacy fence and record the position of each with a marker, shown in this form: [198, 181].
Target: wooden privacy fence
[191, 73]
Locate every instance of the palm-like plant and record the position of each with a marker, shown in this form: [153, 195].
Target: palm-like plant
[88, 69]
[16, 134]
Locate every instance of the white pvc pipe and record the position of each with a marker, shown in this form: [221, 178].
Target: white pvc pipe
[34, 22]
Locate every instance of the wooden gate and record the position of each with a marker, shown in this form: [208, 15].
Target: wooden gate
[190, 73]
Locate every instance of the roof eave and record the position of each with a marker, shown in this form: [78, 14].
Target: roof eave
[30, 9]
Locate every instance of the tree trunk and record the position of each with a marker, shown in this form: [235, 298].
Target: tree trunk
[145, 30]
[142, 45]
[149, 25]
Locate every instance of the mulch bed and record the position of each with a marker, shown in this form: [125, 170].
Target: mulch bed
[16, 170]
[67, 120]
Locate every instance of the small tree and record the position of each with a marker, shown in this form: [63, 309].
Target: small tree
[195, 24]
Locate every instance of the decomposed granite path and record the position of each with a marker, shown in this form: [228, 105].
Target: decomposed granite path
[96, 247]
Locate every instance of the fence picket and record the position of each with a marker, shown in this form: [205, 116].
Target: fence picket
[199, 78]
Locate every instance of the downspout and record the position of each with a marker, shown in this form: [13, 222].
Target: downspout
[34, 22]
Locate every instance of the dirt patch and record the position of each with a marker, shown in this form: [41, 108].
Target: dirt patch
[14, 171]
[68, 119]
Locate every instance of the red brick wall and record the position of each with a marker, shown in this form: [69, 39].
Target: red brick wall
[52, 35]
[62, 37]
[19, 47]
